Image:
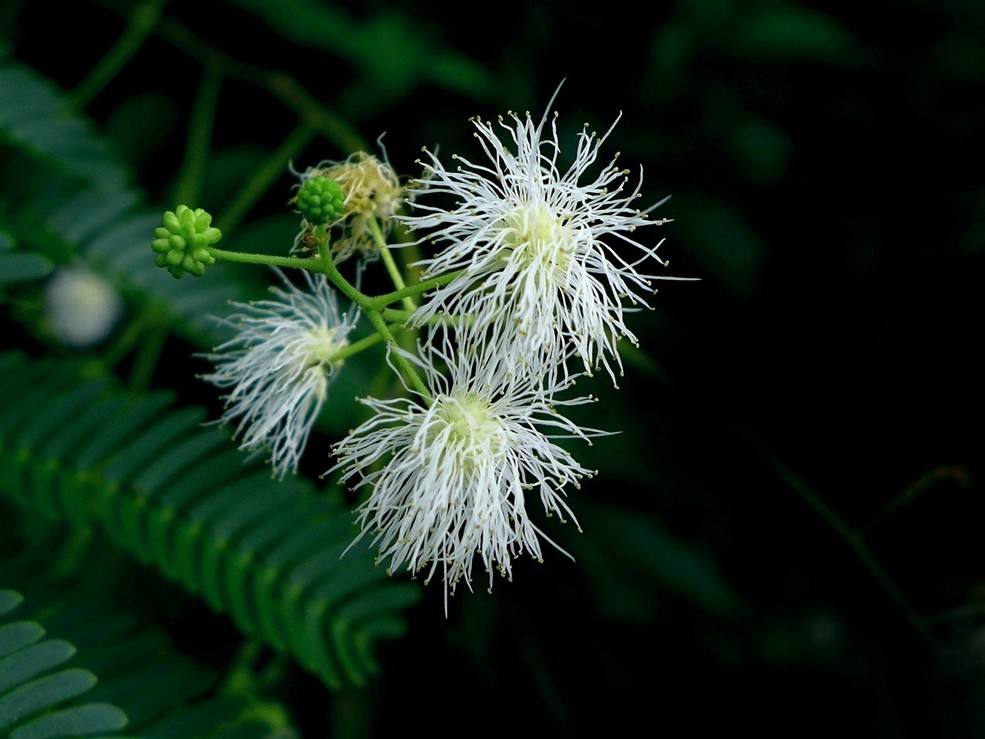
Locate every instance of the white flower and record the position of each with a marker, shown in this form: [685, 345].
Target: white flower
[278, 367]
[451, 479]
[538, 245]
[81, 306]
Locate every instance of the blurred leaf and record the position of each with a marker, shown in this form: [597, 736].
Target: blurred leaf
[17, 266]
[35, 118]
[160, 690]
[393, 52]
[761, 148]
[670, 51]
[228, 169]
[718, 236]
[271, 234]
[140, 125]
[35, 679]
[181, 498]
[23, 267]
[629, 557]
[792, 32]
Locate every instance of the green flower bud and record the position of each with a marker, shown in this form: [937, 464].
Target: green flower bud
[181, 244]
[320, 200]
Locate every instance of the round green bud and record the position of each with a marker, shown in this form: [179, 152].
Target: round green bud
[320, 200]
[181, 243]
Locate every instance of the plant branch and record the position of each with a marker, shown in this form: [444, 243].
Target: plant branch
[270, 260]
[264, 176]
[140, 23]
[280, 84]
[357, 346]
[397, 353]
[852, 537]
[389, 263]
[192, 172]
[381, 301]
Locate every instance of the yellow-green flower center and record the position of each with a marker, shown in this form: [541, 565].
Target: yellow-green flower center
[540, 237]
[324, 343]
[471, 418]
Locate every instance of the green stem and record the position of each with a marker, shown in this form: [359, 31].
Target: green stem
[192, 173]
[850, 535]
[402, 362]
[356, 347]
[391, 266]
[139, 25]
[392, 314]
[271, 260]
[325, 264]
[264, 176]
[127, 339]
[332, 272]
[279, 84]
[146, 362]
[404, 316]
[916, 489]
[381, 301]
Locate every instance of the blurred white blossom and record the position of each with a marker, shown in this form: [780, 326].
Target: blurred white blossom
[81, 306]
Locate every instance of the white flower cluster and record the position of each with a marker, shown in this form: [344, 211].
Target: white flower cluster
[547, 266]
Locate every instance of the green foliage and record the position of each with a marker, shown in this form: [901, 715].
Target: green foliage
[728, 249]
[16, 266]
[107, 230]
[140, 125]
[128, 673]
[629, 558]
[177, 497]
[35, 117]
[39, 694]
[393, 52]
[89, 213]
[794, 32]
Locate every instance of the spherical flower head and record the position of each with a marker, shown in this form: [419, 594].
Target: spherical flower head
[371, 190]
[541, 247]
[279, 366]
[181, 242]
[451, 479]
[320, 200]
[81, 306]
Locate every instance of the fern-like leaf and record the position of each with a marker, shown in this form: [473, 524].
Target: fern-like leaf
[159, 690]
[178, 497]
[39, 694]
[18, 266]
[35, 117]
[91, 213]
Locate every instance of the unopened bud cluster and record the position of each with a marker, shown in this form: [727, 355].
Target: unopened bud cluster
[369, 190]
[182, 242]
[320, 200]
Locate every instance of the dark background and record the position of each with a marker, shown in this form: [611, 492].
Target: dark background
[826, 173]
